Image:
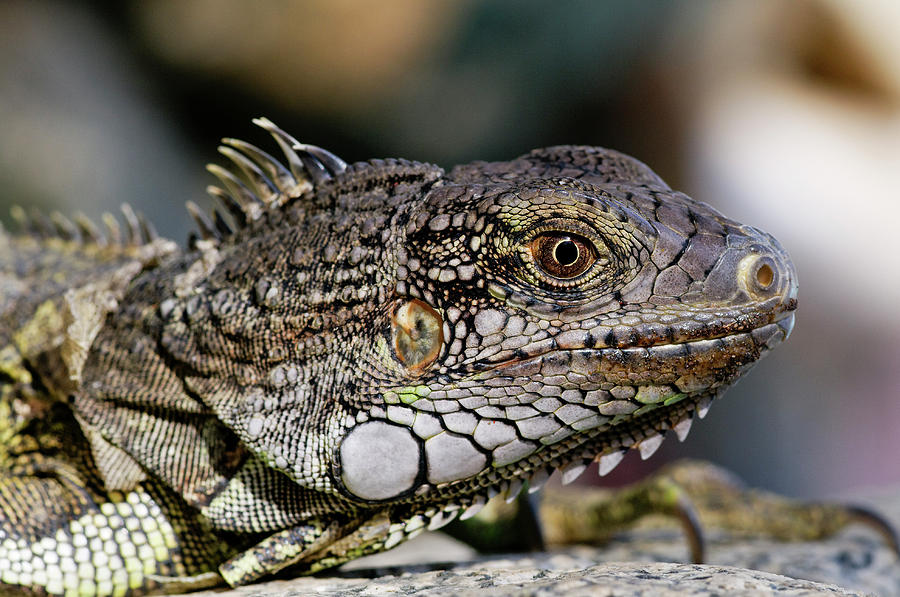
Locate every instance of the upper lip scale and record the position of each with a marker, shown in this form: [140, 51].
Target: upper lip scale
[502, 364]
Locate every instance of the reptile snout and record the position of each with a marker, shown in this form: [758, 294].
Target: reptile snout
[768, 275]
[754, 269]
[767, 272]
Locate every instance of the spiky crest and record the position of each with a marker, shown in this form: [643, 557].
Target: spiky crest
[257, 181]
[137, 232]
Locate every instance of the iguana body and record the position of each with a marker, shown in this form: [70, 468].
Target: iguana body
[366, 351]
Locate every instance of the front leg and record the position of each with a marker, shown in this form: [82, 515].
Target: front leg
[310, 547]
[278, 551]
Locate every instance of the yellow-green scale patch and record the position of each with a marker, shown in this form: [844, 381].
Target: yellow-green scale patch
[104, 553]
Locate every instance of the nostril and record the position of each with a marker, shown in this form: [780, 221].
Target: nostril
[760, 275]
[765, 275]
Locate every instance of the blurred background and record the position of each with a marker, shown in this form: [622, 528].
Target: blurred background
[782, 115]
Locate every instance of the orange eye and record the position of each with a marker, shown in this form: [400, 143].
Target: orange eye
[563, 255]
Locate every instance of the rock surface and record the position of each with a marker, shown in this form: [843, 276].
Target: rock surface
[611, 579]
[856, 562]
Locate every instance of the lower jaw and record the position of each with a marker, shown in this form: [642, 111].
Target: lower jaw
[573, 455]
[645, 428]
[570, 456]
[608, 444]
[644, 431]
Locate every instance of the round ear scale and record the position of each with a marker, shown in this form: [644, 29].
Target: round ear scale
[418, 334]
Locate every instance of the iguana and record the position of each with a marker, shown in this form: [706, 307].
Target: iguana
[346, 355]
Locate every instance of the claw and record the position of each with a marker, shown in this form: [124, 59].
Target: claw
[687, 515]
[876, 521]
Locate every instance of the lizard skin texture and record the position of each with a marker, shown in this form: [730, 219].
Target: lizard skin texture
[353, 354]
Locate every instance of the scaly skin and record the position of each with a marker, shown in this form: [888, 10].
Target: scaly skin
[365, 352]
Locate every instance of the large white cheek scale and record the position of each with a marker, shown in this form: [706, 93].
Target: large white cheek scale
[379, 460]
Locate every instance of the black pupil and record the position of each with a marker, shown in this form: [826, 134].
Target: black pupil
[566, 252]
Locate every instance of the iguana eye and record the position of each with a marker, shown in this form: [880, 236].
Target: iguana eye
[563, 255]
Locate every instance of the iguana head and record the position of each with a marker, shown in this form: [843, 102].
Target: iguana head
[561, 307]
[398, 335]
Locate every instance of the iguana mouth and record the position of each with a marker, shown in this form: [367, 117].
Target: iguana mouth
[661, 339]
[642, 409]
[625, 365]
